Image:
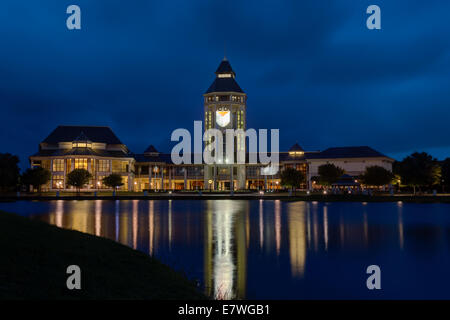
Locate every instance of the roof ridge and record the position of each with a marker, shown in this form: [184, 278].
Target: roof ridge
[73, 126]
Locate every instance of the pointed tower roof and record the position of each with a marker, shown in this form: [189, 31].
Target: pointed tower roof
[296, 148]
[225, 68]
[225, 81]
[151, 150]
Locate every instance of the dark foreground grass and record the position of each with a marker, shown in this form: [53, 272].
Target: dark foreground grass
[34, 257]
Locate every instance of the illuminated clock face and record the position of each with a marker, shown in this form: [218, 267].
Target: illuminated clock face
[223, 117]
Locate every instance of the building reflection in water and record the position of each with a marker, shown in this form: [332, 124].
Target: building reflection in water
[261, 223]
[316, 228]
[59, 213]
[278, 225]
[169, 217]
[297, 237]
[225, 249]
[116, 219]
[98, 217]
[400, 224]
[151, 226]
[308, 206]
[250, 249]
[135, 223]
[125, 236]
[224, 231]
[325, 226]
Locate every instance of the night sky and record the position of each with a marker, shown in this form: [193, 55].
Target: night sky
[310, 68]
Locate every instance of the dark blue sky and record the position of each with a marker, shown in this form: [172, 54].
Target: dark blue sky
[310, 68]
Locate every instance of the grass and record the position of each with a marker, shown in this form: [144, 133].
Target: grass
[35, 256]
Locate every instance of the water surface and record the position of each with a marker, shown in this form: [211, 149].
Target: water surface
[269, 249]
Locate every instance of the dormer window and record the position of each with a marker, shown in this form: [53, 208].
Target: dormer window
[82, 141]
[296, 153]
[81, 145]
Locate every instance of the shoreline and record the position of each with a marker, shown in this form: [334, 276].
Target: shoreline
[206, 196]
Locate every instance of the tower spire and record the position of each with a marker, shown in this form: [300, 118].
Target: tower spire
[225, 51]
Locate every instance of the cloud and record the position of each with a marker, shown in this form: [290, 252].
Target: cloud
[310, 68]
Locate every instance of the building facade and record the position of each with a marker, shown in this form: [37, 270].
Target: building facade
[98, 150]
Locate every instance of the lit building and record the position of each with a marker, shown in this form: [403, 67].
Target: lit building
[98, 150]
[225, 108]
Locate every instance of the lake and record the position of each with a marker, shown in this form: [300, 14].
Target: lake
[271, 249]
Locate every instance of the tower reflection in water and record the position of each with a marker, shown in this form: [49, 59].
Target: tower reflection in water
[225, 249]
[217, 242]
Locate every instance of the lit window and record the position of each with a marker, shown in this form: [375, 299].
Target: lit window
[81, 145]
[81, 164]
[58, 165]
[296, 153]
[57, 182]
[103, 165]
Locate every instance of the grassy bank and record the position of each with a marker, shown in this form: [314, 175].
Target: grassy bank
[35, 256]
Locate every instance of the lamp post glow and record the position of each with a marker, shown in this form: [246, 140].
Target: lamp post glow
[210, 185]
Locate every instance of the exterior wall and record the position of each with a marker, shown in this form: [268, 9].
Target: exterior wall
[352, 166]
[164, 177]
[58, 179]
[235, 103]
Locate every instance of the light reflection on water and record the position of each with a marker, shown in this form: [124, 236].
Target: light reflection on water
[272, 249]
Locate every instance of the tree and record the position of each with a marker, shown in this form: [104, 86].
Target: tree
[9, 171]
[376, 176]
[418, 169]
[36, 177]
[292, 178]
[78, 178]
[114, 180]
[329, 173]
[445, 172]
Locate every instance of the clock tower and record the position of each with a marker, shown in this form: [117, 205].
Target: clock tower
[225, 107]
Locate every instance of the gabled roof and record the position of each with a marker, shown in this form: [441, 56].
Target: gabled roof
[296, 147]
[151, 149]
[73, 133]
[347, 152]
[159, 157]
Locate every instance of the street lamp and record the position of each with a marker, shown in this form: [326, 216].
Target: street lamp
[210, 185]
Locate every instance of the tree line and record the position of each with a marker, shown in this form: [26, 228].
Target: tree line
[416, 171]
